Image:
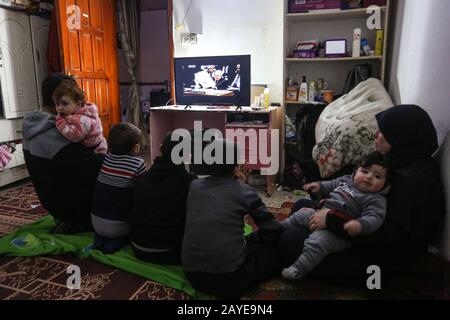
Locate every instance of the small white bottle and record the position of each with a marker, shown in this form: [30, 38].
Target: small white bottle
[357, 43]
[312, 91]
[303, 92]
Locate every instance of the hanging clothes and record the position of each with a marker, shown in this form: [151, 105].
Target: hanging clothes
[5, 156]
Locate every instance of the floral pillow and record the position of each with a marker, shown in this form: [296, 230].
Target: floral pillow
[345, 131]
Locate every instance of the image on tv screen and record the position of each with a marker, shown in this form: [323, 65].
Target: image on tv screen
[213, 80]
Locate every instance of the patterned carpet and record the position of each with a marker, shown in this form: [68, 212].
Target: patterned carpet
[19, 206]
[45, 277]
[31, 278]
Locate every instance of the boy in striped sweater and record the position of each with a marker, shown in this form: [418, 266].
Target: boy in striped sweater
[115, 186]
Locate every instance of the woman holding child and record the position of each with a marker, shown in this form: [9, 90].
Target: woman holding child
[415, 206]
[63, 171]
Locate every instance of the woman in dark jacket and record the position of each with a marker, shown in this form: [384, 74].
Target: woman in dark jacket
[415, 205]
[59, 168]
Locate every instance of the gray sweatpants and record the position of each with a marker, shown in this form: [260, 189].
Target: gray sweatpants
[110, 228]
[318, 245]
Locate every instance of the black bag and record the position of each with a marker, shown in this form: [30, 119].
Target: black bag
[360, 73]
[300, 167]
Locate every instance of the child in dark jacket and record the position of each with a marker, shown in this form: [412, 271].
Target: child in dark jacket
[115, 186]
[360, 199]
[216, 257]
[158, 209]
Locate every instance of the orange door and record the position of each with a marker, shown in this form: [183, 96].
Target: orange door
[87, 35]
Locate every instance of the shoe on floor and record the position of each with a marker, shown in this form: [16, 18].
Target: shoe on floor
[291, 273]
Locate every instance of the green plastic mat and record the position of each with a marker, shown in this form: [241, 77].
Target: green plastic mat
[35, 239]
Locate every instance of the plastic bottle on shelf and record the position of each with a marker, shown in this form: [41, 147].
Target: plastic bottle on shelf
[266, 98]
[365, 47]
[312, 91]
[303, 93]
[357, 43]
[379, 43]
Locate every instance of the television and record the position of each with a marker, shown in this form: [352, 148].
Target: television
[218, 80]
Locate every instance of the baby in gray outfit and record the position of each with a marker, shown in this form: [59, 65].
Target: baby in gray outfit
[359, 198]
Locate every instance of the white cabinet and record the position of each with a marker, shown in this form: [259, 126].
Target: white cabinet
[17, 75]
[39, 35]
[23, 66]
[327, 25]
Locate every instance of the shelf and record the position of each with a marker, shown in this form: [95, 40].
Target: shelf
[333, 14]
[311, 103]
[333, 59]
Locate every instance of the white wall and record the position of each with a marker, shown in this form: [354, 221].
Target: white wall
[420, 70]
[235, 27]
[420, 74]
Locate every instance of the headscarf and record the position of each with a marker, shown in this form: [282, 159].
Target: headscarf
[410, 132]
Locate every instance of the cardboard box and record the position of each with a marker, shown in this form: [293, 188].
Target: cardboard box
[296, 6]
[291, 94]
[368, 3]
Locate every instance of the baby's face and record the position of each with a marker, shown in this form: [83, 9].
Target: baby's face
[370, 180]
[66, 106]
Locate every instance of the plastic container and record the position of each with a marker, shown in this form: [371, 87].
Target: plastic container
[312, 91]
[303, 92]
[266, 98]
[379, 43]
[296, 6]
[356, 43]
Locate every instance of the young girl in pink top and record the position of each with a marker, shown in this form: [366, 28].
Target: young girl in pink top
[78, 120]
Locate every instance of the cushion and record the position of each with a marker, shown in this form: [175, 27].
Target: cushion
[345, 131]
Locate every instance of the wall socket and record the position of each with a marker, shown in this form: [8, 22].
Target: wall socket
[188, 38]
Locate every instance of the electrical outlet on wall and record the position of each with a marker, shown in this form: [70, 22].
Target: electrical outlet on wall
[193, 38]
[185, 38]
[188, 38]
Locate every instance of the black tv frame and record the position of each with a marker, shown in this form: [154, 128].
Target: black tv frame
[243, 99]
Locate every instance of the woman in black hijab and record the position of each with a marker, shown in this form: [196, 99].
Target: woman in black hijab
[415, 205]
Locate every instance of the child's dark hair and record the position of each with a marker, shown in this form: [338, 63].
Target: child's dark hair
[49, 85]
[69, 88]
[122, 138]
[376, 158]
[168, 145]
[226, 165]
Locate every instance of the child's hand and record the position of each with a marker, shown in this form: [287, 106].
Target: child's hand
[242, 174]
[353, 228]
[313, 187]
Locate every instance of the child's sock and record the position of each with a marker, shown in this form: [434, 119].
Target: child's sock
[113, 245]
[293, 273]
[99, 242]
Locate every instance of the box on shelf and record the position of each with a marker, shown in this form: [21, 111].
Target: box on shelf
[296, 6]
[291, 94]
[368, 3]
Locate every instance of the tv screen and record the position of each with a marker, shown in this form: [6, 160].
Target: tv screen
[220, 80]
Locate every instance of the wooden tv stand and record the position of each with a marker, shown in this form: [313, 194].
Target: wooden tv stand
[225, 119]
